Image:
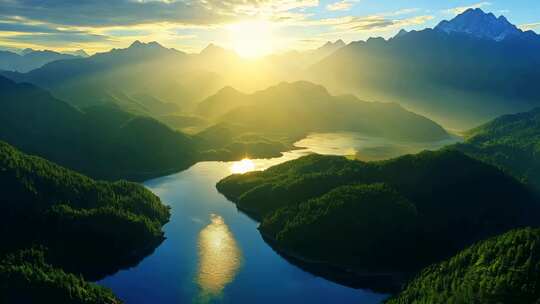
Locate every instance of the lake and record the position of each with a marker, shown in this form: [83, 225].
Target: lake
[214, 253]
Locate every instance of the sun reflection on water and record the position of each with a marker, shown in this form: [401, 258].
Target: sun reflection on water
[243, 166]
[219, 259]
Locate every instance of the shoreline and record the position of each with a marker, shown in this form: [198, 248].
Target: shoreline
[382, 282]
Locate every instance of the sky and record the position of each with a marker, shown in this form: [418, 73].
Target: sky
[255, 27]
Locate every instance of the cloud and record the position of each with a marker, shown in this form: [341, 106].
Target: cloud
[29, 28]
[381, 23]
[19, 30]
[401, 12]
[54, 39]
[530, 26]
[107, 12]
[98, 25]
[460, 9]
[129, 12]
[368, 23]
[116, 21]
[264, 7]
[343, 5]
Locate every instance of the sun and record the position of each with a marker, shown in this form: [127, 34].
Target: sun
[251, 39]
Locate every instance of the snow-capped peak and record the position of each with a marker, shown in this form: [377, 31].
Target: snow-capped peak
[477, 23]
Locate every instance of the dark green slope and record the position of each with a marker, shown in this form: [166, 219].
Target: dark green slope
[510, 142]
[344, 227]
[301, 107]
[434, 204]
[227, 141]
[85, 226]
[74, 215]
[503, 269]
[25, 277]
[102, 142]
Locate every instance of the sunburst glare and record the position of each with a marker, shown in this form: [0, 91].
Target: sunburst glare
[243, 166]
[252, 39]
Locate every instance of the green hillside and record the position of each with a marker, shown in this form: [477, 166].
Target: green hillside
[510, 142]
[84, 226]
[357, 215]
[503, 269]
[103, 142]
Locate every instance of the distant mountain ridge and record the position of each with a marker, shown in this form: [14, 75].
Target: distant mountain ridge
[180, 79]
[462, 73]
[30, 59]
[117, 77]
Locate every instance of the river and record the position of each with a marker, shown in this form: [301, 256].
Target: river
[214, 254]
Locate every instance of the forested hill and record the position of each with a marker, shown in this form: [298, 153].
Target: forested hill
[75, 225]
[510, 142]
[503, 269]
[358, 215]
[102, 142]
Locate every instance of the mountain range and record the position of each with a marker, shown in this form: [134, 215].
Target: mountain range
[120, 76]
[179, 80]
[30, 59]
[463, 72]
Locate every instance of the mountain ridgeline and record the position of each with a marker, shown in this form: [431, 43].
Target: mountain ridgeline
[426, 207]
[102, 142]
[462, 72]
[120, 77]
[56, 222]
[302, 107]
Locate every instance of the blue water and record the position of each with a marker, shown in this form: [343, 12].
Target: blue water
[214, 254]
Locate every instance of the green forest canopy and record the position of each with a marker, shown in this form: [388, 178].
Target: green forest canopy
[81, 226]
[502, 269]
[441, 201]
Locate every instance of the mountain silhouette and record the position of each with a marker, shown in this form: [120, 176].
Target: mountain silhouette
[464, 72]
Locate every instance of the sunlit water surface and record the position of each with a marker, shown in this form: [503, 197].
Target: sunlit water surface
[214, 254]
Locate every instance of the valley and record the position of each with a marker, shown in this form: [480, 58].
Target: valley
[171, 273]
[269, 151]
